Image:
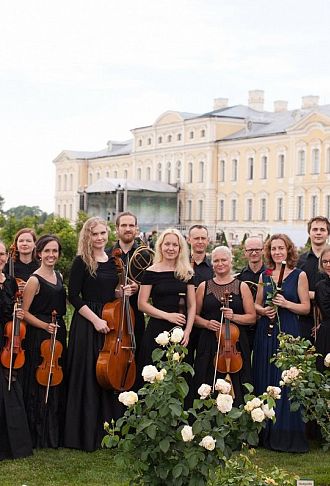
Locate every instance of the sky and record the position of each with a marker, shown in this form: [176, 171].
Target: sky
[75, 74]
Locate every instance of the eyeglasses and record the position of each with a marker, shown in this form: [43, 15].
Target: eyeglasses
[3, 253]
[255, 250]
[325, 262]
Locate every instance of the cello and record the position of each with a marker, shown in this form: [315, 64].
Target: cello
[49, 372]
[12, 355]
[227, 359]
[116, 367]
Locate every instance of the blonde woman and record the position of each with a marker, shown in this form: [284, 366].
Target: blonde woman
[167, 281]
[92, 283]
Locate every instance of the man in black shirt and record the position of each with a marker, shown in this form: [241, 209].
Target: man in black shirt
[253, 251]
[318, 230]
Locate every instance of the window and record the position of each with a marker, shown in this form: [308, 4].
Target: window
[327, 161]
[59, 210]
[90, 178]
[301, 162]
[327, 207]
[190, 172]
[202, 133]
[234, 169]
[201, 172]
[169, 138]
[300, 207]
[191, 135]
[221, 209]
[263, 209]
[279, 212]
[222, 171]
[280, 166]
[250, 168]
[149, 141]
[189, 210]
[107, 174]
[234, 209]
[98, 175]
[70, 211]
[65, 182]
[148, 173]
[200, 209]
[71, 182]
[140, 142]
[168, 172]
[179, 137]
[59, 182]
[115, 174]
[314, 211]
[315, 161]
[159, 172]
[264, 167]
[249, 209]
[64, 210]
[139, 173]
[160, 139]
[178, 171]
[125, 174]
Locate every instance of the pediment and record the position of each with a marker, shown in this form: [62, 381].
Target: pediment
[168, 118]
[309, 122]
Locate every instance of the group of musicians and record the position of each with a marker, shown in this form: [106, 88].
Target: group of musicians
[58, 398]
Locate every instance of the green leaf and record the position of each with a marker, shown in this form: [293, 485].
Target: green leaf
[176, 409]
[164, 445]
[249, 387]
[152, 431]
[177, 471]
[157, 354]
[294, 406]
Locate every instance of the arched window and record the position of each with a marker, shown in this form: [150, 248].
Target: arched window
[189, 210]
[148, 173]
[327, 161]
[250, 168]
[178, 171]
[201, 172]
[59, 182]
[200, 210]
[159, 171]
[222, 171]
[264, 167]
[234, 169]
[280, 166]
[168, 172]
[315, 161]
[221, 210]
[263, 209]
[139, 173]
[301, 162]
[65, 182]
[190, 172]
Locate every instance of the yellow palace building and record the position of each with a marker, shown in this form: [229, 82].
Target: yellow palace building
[238, 169]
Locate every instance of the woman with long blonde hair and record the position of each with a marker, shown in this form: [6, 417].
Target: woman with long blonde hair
[169, 283]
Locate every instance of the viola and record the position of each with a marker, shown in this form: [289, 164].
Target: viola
[116, 367]
[228, 359]
[12, 355]
[49, 372]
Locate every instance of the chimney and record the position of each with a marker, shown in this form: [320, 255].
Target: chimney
[219, 103]
[109, 145]
[280, 105]
[256, 99]
[309, 101]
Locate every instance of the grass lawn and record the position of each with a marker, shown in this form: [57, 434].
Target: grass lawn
[65, 467]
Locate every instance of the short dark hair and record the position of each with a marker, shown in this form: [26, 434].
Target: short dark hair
[44, 240]
[322, 219]
[125, 213]
[198, 226]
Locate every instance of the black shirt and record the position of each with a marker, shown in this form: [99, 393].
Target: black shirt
[248, 275]
[203, 271]
[309, 262]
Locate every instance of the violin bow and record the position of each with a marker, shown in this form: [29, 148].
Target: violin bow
[218, 351]
[53, 343]
[12, 346]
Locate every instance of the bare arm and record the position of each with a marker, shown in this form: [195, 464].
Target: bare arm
[31, 289]
[191, 312]
[301, 308]
[249, 316]
[212, 324]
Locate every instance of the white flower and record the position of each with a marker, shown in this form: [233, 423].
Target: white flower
[176, 357]
[257, 415]
[106, 425]
[251, 404]
[187, 434]
[161, 374]
[224, 403]
[222, 386]
[128, 398]
[208, 443]
[204, 391]
[149, 373]
[290, 375]
[327, 360]
[176, 335]
[163, 338]
[274, 392]
[269, 412]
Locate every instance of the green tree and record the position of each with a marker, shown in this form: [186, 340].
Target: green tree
[11, 225]
[21, 212]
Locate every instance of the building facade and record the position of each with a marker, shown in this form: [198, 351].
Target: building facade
[238, 169]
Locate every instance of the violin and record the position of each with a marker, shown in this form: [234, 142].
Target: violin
[116, 367]
[228, 359]
[12, 355]
[11, 260]
[49, 372]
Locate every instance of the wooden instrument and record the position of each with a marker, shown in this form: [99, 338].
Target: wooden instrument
[115, 367]
[12, 355]
[49, 372]
[278, 291]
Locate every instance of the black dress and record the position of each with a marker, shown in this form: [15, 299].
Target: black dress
[165, 296]
[208, 344]
[15, 439]
[23, 270]
[322, 341]
[46, 421]
[88, 405]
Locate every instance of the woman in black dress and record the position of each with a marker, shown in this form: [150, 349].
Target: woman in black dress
[43, 294]
[170, 275]
[22, 260]
[92, 283]
[15, 439]
[210, 297]
[322, 299]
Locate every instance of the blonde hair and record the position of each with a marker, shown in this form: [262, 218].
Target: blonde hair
[225, 250]
[85, 245]
[183, 269]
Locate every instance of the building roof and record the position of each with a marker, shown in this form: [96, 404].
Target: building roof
[112, 185]
[113, 149]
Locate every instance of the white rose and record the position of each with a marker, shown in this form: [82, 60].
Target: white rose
[224, 403]
[187, 434]
[176, 357]
[269, 412]
[222, 386]
[251, 404]
[176, 335]
[128, 398]
[163, 338]
[257, 415]
[149, 373]
[204, 391]
[161, 374]
[327, 360]
[274, 392]
[208, 443]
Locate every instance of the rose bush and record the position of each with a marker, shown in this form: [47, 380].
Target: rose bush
[166, 444]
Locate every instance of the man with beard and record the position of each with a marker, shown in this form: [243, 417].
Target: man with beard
[318, 230]
[126, 229]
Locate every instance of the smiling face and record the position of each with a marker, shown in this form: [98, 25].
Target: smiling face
[49, 254]
[318, 233]
[99, 236]
[25, 244]
[126, 229]
[170, 247]
[198, 240]
[221, 262]
[278, 251]
[253, 250]
[325, 262]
